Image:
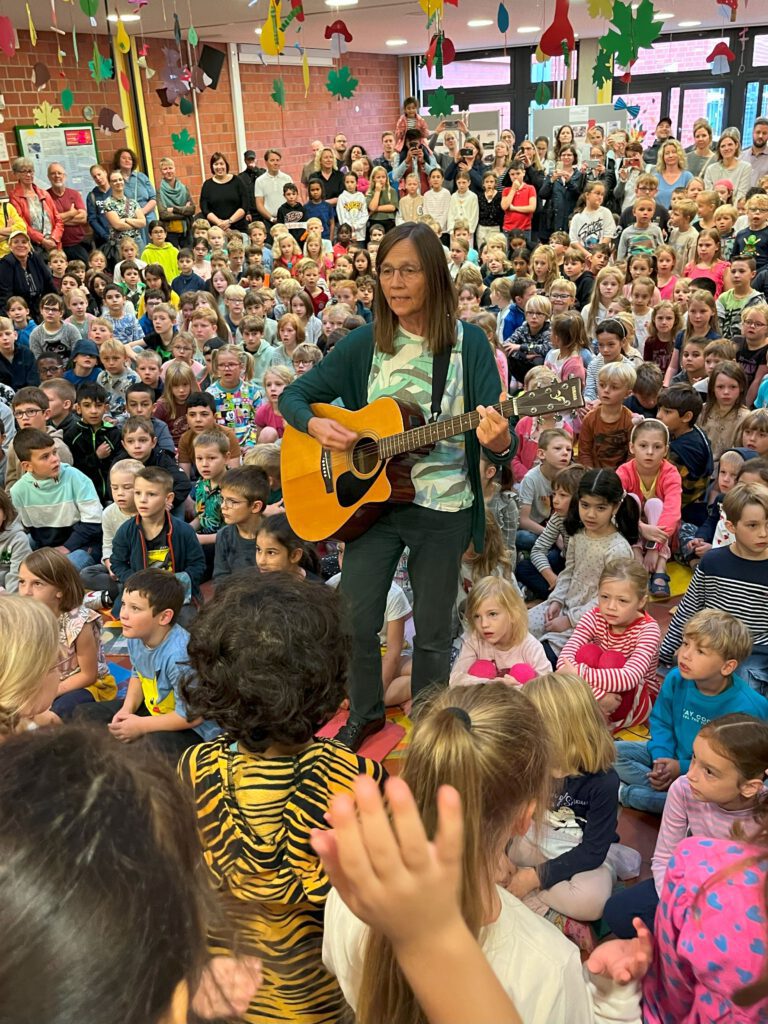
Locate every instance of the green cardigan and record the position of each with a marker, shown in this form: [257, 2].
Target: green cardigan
[344, 374]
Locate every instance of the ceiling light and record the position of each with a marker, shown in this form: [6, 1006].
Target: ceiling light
[663, 17]
[123, 17]
[258, 30]
[340, 3]
[479, 23]
[396, 42]
[688, 24]
[528, 28]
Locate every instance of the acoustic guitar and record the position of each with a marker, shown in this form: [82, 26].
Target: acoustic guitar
[340, 494]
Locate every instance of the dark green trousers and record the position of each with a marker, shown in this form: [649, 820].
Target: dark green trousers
[436, 542]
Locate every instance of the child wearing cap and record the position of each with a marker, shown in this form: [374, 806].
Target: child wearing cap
[84, 367]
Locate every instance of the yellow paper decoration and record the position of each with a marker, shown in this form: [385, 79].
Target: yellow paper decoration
[32, 29]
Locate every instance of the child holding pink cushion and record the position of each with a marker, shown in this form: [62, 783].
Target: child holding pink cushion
[497, 645]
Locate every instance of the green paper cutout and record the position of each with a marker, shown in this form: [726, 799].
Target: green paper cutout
[341, 83]
[602, 72]
[101, 68]
[278, 92]
[600, 8]
[67, 99]
[89, 7]
[186, 106]
[192, 37]
[183, 142]
[566, 53]
[440, 103]
[543, 94]
[631, 32]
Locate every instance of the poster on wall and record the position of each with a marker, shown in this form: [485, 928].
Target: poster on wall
[71, 145]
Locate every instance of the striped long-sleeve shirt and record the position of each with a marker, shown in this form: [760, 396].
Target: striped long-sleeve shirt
[639, 643]
[724, 581]
[554, 528]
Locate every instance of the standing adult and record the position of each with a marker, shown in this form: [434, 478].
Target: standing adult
[269, 187]
[72, 214]
[339, 150]
[701, 152]
[414, 325]
[35, 207]
[450, 155]
[500, 165]
[24, 273]
[124, 215]
[617, 144]
[138, 187]
[248, 176]
[470, 159]
[563, 137]
[331, 177]
[562, 188]
[671, 171]
[10, 221]
[757, 154]
[388, 156]
[727, 164]
[95, 202]
[631, 169]
[663, 132]
[174, 204]
[313, 164]
[223, 198]
[508, 137]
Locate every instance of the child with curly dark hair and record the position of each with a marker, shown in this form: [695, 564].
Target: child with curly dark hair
[273, 654]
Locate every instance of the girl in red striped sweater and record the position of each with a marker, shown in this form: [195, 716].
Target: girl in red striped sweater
[615, 646]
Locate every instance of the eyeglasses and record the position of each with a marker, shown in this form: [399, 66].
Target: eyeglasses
[407, 273]
[558, 295]
[754, 323]
[232, 502]
[26, 414]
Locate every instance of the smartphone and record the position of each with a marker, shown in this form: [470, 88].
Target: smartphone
[451, 122]
[466, 151]
[559, 166]
[592, 164]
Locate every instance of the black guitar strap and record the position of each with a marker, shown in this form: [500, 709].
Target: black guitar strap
[440, 362]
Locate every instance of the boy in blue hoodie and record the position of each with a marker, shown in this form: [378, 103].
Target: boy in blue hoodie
[702, 687]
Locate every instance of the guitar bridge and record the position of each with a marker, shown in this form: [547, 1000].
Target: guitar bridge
[326, 470]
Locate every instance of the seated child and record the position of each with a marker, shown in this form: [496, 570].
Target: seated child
[244, 493]
[689, 450]
[99, 580]
[140, 442]
[496, 645]
[84, 365]
[93, 438]
[644, 400]
[117, 376]
[529, 428]
[528, 345]
[48, 576]
[656, 486]
[702, 687]
[606, 429]
[538, 574]
[211, 450]
[276, 888]
[615, 646]
[140, 401]
[705, 537]
[554, 451]
[201, 417]
[153, 707]
[14, 543]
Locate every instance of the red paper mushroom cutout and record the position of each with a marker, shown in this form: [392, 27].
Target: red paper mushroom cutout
[728, 9]
[559, 32]
[721, 58]
[340, 37]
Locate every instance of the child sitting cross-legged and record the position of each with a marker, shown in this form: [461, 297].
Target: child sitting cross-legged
[554, 451]
[140, 442]
[496, 645]
[528, 345]
[615, 646]
[538, 574]
[713, 531]
[99, 581]
[211, 450]
[153, 708]
[94, 439]
[271, 688]
[201, 417]
[703, 686]
[689, 450]
[116, 376]
[244, 494]
[606, 429]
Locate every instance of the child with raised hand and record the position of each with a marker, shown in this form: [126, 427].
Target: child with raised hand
[724, 410]
[571, 865]
[721, 795]
[615, 646]
[49, 577]
[602, 522]
[29, 664]
[704, 686]
[272, 894]
[279, 549]
[496, 646]
[656, 486]
[490, 744]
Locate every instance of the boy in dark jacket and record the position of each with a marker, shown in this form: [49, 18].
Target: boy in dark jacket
[93, 440]
[154, 539]
[140, 442]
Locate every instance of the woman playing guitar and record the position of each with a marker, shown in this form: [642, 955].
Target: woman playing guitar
[414, 321]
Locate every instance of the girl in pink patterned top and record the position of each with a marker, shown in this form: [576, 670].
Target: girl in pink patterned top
[615, 646]
[269, 421]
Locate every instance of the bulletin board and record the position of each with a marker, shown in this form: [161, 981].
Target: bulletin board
[71, 145]
[547, 121]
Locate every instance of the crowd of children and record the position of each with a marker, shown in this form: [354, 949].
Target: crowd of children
[141, 444]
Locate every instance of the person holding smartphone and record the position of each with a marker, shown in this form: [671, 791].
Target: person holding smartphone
[562, 188]
[470, 159]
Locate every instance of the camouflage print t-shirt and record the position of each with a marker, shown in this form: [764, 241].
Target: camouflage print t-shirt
[440, 478]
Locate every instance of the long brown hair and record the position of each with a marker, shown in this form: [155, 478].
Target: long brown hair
[490, 743]
[441, 327]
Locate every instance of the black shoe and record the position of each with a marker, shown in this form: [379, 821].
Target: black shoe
[354, 734]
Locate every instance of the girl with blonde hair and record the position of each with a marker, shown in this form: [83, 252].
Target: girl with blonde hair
[29, 655]
[178, 384]
[608, 285]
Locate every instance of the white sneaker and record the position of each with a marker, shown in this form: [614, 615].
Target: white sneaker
[97, 600]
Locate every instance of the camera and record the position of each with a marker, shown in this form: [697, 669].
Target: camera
[466, 151]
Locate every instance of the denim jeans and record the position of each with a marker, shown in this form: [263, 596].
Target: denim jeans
[754, 670]
[633, 762]
[81, 558]
[529, 576]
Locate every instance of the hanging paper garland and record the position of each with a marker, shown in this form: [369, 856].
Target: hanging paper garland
[32, 29]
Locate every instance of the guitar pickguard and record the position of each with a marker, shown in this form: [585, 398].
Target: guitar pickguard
[351, 489]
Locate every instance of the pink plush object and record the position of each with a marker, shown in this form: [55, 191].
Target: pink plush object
[595, 657]
[522, 672]
[483, 669]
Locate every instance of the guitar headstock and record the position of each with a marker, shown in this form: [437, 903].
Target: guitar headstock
[552, 398]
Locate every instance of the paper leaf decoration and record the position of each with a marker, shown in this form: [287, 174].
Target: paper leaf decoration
[440, 103]
[125, 82]
[89, 7]
[502, 19]
[101, 68]
[192, 36]
[47, 116]
[177, 29]
[631, 32]
[75, 50]
[186, 106]
[600, 8]
[32, 29]
[7, 37]
[67, 99]
[41, 76]
[305, 72]
[278, 92]
[341, 83]
[122, 39]
[543, 94]
[183, 142]
[602, 72]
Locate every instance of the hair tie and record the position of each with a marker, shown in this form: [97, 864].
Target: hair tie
[462, 716]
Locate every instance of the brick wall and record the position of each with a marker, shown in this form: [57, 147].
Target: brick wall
[320, 115]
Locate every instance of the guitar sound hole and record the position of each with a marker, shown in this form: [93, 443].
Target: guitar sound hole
[365, 456]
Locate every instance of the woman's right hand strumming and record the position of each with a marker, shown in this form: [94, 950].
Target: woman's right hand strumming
[331, 434]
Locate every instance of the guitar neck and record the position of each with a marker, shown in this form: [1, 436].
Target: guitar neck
[554, 398]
